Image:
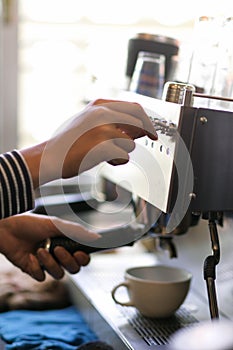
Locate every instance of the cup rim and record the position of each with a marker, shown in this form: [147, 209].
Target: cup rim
[188, 277]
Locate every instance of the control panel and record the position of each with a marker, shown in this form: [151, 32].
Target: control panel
[189, 166]
[149, 171]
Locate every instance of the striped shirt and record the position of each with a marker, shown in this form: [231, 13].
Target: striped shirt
[16, 187]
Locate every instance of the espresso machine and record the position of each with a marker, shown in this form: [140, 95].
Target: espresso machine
[192, 166]
[186, 173]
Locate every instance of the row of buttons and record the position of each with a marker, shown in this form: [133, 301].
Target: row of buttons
[163, 126]
[161, 148]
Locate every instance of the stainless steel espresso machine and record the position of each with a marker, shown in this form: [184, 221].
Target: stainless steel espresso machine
[187, 173]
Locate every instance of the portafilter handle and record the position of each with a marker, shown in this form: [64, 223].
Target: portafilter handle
[110, 239]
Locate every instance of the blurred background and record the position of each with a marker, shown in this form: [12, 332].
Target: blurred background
[58, 54]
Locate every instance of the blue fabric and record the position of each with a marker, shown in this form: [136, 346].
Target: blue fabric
[63, 329]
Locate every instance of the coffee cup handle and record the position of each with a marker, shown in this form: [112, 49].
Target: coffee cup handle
[127, 303]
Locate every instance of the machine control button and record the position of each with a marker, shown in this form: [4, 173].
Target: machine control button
[163, 126]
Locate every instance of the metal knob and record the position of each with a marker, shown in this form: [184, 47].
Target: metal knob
[180, 93]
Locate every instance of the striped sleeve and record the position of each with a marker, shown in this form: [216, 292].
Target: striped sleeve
[16, 187]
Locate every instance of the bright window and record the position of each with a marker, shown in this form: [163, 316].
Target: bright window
[65, 45]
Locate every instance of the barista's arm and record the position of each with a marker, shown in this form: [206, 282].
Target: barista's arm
[16, 186]
[104, 131]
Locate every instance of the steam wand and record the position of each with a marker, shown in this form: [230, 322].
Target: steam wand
[210, 265]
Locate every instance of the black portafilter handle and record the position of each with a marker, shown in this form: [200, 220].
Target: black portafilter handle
[70, 245]
[109, 239]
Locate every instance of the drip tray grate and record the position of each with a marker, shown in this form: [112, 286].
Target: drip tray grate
[157, 331]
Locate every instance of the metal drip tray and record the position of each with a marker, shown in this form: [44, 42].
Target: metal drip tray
[94, 284]
[124, 327]
[158, 331]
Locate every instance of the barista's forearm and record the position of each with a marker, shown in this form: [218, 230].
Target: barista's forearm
[33, 156]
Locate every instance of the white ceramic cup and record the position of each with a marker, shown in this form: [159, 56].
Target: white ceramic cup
[156, 291]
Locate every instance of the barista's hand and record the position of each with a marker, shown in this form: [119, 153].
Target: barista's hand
[20, 239]
[104, 131]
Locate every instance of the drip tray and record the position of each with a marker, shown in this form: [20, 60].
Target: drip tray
[158, 331]
[95, 282]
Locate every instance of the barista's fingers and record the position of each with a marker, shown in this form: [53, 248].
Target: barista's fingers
[35, 270]
[125, 143]
[132, 131]
[116, 155]
[73, 230]
[100, 101]
[120, 148]
[136, 111]
[117, 161]
[67, 260]
[82, 258]
[49, 263]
